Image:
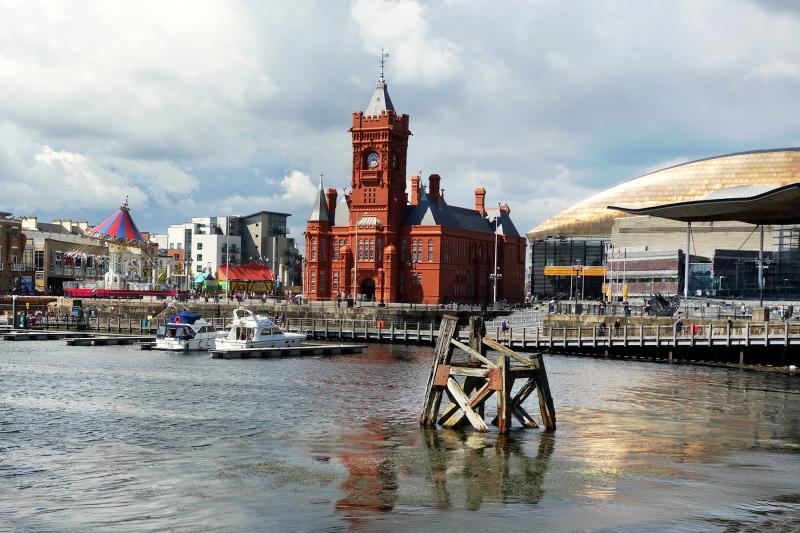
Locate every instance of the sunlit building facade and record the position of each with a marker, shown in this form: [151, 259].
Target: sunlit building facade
[726, 251]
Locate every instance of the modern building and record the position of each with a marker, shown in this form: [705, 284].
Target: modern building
[632, 273]
[264, 239]
[745, 173]
[16, 260]
[389, 244]
[205, 243]
[679, 183]
[564, 267]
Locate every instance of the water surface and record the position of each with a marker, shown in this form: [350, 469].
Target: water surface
[116, 439]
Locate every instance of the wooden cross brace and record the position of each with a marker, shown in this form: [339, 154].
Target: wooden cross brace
[482, 379]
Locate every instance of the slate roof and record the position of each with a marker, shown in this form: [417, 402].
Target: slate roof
[319, 211]
[342, 215]
[427, 213]
[380, 100]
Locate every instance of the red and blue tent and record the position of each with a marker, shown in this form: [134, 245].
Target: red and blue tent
[119, 225]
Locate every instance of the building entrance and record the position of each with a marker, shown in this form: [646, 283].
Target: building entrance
[368, 289]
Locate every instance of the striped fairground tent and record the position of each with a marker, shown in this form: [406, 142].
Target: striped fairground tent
[119, 225]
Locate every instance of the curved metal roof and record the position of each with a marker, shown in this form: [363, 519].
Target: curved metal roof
[751, 204]
[679, 183]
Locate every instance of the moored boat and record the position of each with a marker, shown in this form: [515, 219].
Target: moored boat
[249, 330]
[187, 331]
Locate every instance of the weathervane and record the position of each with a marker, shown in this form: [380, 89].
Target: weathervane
[384, 56]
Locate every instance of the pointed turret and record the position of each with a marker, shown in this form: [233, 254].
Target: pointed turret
[319, 212]
[380, 101]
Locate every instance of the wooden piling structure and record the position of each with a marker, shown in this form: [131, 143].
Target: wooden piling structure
[481, 379]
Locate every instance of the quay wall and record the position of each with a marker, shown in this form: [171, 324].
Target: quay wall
[137, 309]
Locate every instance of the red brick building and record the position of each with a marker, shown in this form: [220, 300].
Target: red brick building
[387, 244]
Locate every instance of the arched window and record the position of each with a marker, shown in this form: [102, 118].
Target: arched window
[430, 250]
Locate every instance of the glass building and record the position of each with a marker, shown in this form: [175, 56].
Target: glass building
[573, 253]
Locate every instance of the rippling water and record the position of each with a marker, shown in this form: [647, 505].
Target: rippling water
[117, 439]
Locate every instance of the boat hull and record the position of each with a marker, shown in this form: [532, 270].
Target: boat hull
[280, 342]
[190, 345]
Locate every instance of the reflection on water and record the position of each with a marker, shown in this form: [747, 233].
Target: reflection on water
[117, 439]
[468, 469]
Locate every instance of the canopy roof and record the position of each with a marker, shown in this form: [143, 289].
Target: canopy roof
[748, 203]
[249, 272]
[119, 225]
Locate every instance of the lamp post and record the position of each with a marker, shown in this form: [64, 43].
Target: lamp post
[227, 258]
[495, 276]
[577, 268]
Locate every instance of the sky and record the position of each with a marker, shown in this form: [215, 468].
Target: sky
[204, 108]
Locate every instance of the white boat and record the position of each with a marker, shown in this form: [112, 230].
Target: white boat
[249, 330]
[186, 332]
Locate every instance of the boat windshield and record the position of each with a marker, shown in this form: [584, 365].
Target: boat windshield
[175, 332]
[244, 334]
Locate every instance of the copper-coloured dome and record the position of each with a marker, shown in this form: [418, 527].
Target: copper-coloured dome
[679, 183]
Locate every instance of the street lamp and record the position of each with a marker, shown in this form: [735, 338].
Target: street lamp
[577, 268]
[496, 275]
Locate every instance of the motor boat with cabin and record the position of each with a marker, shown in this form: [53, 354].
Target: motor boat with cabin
[249, 330]
[187, 331]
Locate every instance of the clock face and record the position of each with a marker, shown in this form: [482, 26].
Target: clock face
[372, 159]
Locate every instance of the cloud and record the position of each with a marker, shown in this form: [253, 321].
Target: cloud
[401, 28]
[543, 103]
[34, 176]
[294, 193]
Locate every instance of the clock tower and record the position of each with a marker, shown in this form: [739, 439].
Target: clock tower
[380, 141]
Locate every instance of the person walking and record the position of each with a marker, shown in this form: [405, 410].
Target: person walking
[504, 327]
[678, 326]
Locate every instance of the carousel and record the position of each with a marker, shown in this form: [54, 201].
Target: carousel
[131, 265]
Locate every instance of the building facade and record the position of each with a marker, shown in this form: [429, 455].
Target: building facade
[264, 239]
[390, 245]
[64, 251]
[16, 265]
[567, 267]
[203, 244]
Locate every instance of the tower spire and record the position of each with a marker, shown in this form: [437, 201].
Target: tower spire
[384, 57]
[380, 101]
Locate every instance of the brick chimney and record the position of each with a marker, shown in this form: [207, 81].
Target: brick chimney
[330, 199]
[433, 187]
[414, 190]
[480, 201]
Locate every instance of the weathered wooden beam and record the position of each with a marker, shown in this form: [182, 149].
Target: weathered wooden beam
[476, 332]
[522, 394]
[457, 395]
[472, 371]
[453, 416]
[546, 408]
[504, 407]
[511, 353]
[524, 418]
[441, 355]
[472, 353]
